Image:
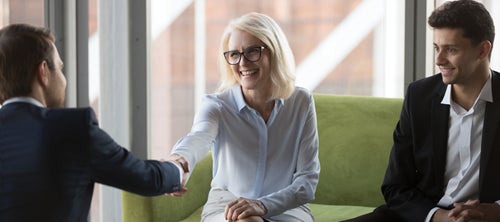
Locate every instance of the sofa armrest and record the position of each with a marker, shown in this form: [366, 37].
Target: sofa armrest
[167, 208]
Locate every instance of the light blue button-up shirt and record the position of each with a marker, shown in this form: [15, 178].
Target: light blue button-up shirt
[275, 162]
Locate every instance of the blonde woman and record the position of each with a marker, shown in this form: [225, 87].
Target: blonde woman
[261, 129]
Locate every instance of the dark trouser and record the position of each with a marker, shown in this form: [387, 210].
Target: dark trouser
[381, 214]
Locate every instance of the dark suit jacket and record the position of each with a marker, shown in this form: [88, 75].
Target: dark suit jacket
[51, 158]
[414, 180]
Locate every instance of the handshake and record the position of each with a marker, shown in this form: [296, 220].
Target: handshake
[183, 166]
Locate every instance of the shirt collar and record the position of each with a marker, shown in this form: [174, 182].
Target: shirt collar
[238, 96]
[23, 99]
[486, 93]
[240, 101]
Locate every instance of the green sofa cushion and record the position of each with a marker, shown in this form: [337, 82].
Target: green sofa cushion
[324, 213]
[195, 217]
[355, 138]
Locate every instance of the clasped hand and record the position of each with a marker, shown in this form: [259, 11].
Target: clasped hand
[473, 211]
[242, 208]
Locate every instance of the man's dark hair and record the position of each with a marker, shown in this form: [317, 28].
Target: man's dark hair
[471, 16]
[22, 48]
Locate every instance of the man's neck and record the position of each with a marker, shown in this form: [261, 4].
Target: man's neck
[466, 94]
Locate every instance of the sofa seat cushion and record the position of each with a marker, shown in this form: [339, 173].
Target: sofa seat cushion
[195, 217]
[321, 212]
[332, 213]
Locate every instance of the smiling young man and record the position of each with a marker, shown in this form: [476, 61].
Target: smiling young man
[445, 160]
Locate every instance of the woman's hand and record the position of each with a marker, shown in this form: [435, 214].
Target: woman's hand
[243, 208]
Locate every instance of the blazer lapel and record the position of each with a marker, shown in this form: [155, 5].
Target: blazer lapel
[440, 121]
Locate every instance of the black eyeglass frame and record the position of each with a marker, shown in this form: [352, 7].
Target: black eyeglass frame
[262, 47]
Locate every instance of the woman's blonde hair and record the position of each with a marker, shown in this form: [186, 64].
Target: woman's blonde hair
[266, 30]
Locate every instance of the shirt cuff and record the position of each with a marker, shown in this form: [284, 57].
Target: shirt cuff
[431, 213]
[181, 171]
[498, 202]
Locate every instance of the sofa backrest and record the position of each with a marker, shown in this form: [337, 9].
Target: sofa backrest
[355, 139]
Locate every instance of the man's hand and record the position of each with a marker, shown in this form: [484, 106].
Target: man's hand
[178, 193]
[473, 210]
[441, 215]
[242, 208]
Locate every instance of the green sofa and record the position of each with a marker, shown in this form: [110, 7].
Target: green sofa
[355, 138]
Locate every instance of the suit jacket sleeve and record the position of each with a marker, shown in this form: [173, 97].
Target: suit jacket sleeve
[113, 165]
[404, 186]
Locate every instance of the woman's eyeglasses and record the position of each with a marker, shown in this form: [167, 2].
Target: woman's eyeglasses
[251, 54]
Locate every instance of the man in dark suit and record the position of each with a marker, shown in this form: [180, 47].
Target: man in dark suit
[445, 161]
[50, 157]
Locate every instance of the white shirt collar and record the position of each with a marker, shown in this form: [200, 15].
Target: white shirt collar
[486, 93]
[23, 99]
[240, 101]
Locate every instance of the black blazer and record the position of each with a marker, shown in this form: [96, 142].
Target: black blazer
[51, 158]
[414, 180]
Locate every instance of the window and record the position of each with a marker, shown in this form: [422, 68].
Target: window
[27, 11]
[108, 88]
[341, 47]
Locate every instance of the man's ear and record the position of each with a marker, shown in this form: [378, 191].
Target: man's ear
[42, 74]
[485, 49]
